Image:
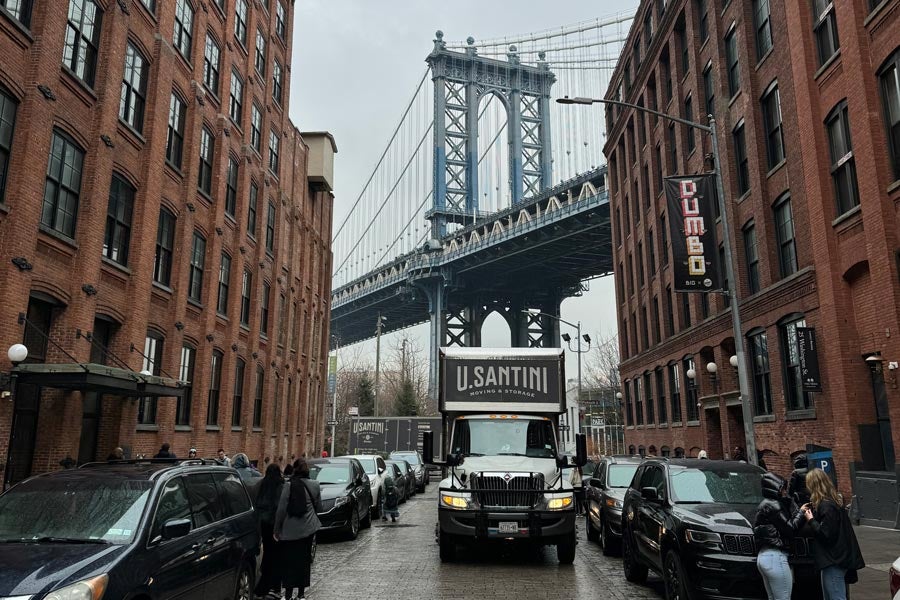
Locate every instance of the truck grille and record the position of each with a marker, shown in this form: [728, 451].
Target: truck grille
[739, 544]
[520, 491]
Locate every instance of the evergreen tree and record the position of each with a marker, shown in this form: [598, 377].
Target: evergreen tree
[406, 404]
[365, 396]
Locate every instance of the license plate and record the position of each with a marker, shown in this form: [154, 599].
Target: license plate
[508, 527]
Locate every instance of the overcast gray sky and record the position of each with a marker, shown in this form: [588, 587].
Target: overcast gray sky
[356, 64]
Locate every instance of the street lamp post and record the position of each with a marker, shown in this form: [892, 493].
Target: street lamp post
[743, 383]
[337, 346]
[378, 326]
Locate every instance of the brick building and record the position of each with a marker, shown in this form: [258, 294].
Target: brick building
[807, 108]
[159, 213]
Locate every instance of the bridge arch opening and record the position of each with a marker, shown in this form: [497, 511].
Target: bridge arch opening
[494, 177]
[495, 332]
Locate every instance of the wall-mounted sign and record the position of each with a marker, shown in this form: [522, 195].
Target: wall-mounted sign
[695, 253]
[808, 357]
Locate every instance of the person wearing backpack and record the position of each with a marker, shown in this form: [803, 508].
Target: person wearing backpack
[835, 550]
[391, 498]
[296, 522]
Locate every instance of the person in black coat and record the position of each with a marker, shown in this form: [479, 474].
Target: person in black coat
[164, 452]
[797, 486]
[267, 492]
[777, 520]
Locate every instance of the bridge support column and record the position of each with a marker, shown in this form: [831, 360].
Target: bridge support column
[436, 292]
[536, 329]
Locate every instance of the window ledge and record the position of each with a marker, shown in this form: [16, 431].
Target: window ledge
[765, 56]
[734, 98]
[693, 423]
[22, 29]
[183, 428]
[800, 415]
[875, 12]
[828, 64]
[257, 430]
[237, 428]
[651, 426]
[147, 427]
[893, 187]
[174, 169]
[764, 419]
[81, 88]
[663, 426]
[213, 428]
[61, 237]
[776, 168]
[245, 327]
[676, 424]
[205, 196]
[119, 267]
[4, 208]
[163, 287]
[131, 134]
[629, 427]
[195, 304]
[848, 216]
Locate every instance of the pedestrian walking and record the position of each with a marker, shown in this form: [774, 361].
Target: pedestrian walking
[391, 503]
[777, 520]
[836, 551]
[577, 481]
[288, 471]
[267, 491]
[116, 454]
[164, 452]
[296, 522]
[739, 454]
[192, 453]
[241, 463]
[702, 454]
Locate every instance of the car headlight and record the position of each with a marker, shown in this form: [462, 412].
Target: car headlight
[560, 501]
[89, 589]
[341, 500]
[454, 501]
[708, 539]
[613, 503]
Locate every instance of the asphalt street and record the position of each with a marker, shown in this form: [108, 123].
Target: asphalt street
[400, 560]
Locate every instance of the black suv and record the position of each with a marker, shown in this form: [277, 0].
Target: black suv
[604, 495]
[691, 521]
[131, 529]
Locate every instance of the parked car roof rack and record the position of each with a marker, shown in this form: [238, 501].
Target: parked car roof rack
[144, 461]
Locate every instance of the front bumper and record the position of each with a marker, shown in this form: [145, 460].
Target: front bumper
[721, 576]
[336, 518]
[543, 526]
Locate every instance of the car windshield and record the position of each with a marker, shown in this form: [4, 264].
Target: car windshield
[410, 458]
[515, 437]
[400, 466]
[691, 486]
[73, 510]
[620, 475]
[326, 473]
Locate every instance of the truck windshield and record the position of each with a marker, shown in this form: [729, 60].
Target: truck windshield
[513, 437]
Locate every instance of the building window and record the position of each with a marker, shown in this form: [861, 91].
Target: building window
[280, 21]
[224, 282]
[784, 231]
[82, 39]
[246, 285]
[661, 395]
[215, 383]
[175, 131]
[240, 21]
[184, 25]
[270, 228]
[630, 281]
[685, 50]
[651, 252]
[238, 397]
[207, 148]
[689, 131]
[260, 61]
[685, 310]
[731, 62]
[186, 374]
[742, 163]
[276, 82]
[236, 98]
[704, 306]
[282, 323]
[751, 251]
[703, 20]
[152, 362]
[825, 29]
[638, 401]
[211, 65]
[221, 4]
[264, 310]
[629, 416]
[640, 261]
[63, 185]
[709, 90]
[251, 209]
[667, 76]
[657, 163]
[673, 151]
[675, 389]
[693, 411]
[645, 328]
[118, 220]
[8, 108]
[134, 89]
[670, 313]
[256, 128]
[231, 184]
[648, 399]
[759, 359]
[258, 397]
[771, 107]
[165, 242]
[20, 10]
[195, 275]
[843, 166]
[274, 145]
[796, 398]
[763, 25]
[664, 236]
[890, 97]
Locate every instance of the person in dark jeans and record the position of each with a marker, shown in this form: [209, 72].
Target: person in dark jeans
[268, 492]
[777, 521]
[296, 522]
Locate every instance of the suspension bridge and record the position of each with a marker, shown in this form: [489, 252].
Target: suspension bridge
[488, 196]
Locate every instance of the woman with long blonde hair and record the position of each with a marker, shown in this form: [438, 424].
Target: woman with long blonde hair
[835, 551]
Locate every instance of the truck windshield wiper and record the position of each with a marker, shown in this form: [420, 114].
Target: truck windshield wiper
[473, 454]
[62, 540]
[511, 454]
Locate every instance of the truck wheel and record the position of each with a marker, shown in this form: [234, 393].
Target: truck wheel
[448, 547]
[634, 571]
[592, 535]
[565, 549]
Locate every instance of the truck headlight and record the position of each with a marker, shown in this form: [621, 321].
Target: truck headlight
[560, 501]
[707, 539]
[454, 501]
[89, 589]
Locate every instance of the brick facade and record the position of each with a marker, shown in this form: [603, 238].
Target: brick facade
[84, 287]
[845, 282]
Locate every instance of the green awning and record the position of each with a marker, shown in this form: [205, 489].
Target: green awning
[91, 377]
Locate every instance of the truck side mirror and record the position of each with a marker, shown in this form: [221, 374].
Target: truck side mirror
[561, 461]
[428, 447]
[580, 449]
[454, 460]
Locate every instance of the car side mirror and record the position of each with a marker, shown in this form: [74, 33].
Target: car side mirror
[650, 494]
[580, 449]
[176, 528]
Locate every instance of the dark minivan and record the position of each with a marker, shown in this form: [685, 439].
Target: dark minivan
[135, 529]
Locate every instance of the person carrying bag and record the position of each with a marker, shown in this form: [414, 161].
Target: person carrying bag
[835, 549]
[296, 522]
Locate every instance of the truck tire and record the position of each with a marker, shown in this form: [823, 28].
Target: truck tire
[448, 547]
[565, 549]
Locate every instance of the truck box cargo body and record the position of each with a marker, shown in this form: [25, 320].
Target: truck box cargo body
[500, 410]
[383, 435]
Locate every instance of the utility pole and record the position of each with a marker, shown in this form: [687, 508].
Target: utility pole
[337, 344]
[378, 360]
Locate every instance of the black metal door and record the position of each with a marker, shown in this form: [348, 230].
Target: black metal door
[90, 427]
[24, 433]
[883, 416]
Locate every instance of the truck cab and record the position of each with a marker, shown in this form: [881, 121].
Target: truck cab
[501, 412]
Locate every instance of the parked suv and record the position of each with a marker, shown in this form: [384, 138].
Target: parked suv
[691, 522]
[150, 529]
[415, 461]
[604, 496]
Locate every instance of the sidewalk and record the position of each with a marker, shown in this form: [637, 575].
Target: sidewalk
[880, 548]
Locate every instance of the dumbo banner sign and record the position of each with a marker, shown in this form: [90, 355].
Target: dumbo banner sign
[692, 226]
